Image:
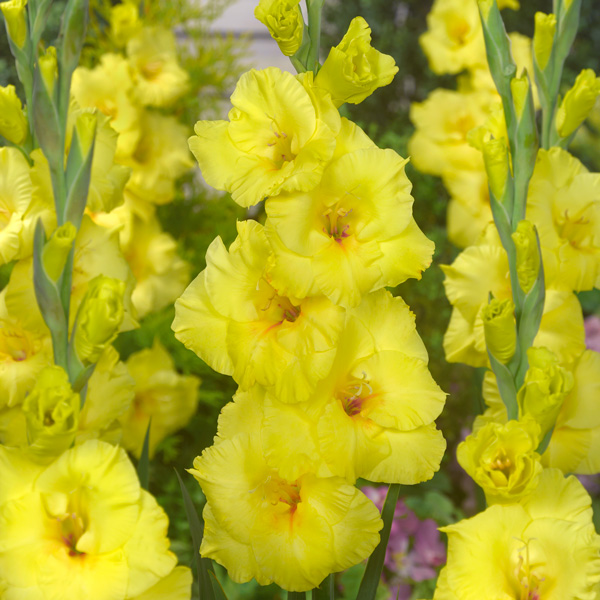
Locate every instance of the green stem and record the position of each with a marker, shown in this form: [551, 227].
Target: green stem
[314, 8]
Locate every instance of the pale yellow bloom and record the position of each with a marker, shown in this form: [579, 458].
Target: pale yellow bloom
[354, 69]
[283, 19]
[544, 547]
[501, 458]
[162, 395]
[483, 269]
[280, 134]
[81, 527]
[13, 123]
[564, 204]
[109, 88]
[352, 234]
[235, 318]
[260, 524]
[575, 443]
[158, 77]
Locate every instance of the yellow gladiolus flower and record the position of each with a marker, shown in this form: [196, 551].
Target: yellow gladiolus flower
[483, 269]
[543, 38]
[352, 234]
[24, 352]
[544, 547]
[234, 317]
[563, 202]
[443, 121]
[528, 256]
[13, 123]
[124, 22]
[258, 524]
[575, 443]
[99, 317]
[577, 103]
[280, 134]
[15, 17]
[159, 80]
[454, 39]
[81, 527]
[51, 412]
[379, 397]
[159, 159]
[283, 19]
[546, 386]
[161, 275]
[109, 88]
[161, 394]
[500, 329]
[502, 459]
[354, 70]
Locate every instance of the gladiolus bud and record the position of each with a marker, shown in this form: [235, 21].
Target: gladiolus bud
[528, 255]
[495, 156]
[546, 386]
[85, 130]
[124, 23]
[49, 69]
[52, 411]
[354, 69]
[577, 103]
[13, 124]
[543, 38]
[56, 251]
[284, 21]
[15, 17]
[520, 91]
[99, 318]
[499, 329]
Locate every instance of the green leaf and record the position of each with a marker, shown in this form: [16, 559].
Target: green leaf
[370, 580]
[204, 566]
[217, 587]
[326, 591]
[296, 595]
[144, 462]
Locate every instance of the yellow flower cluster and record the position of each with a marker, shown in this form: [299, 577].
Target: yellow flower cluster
[81, 527]
[333, 377]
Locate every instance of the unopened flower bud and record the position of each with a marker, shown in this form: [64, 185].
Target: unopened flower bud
[543, 38]
[13, 124]
[495, 157]
[15, 16]
[85, 130]
[51, 411]
[520, 92]
[284, 21]
[528, 255]
[124, 23]
[500, 329]
[56, 251]
[48, 68]
[546, 386]
[577, 103]
[354, 69]
[99, 318]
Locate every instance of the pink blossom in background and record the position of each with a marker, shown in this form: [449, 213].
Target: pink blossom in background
[592, 333]
[414, 550]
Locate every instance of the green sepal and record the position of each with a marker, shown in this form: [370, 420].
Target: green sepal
[531, 316]
[48, 298]
[72, 34]
[78, 175]
[526, 149]
[46, 122]
[372, 576]
[81, 378]
[506, 386]
[567, 24]
[545, 442]
[500, 60]
[143, 468]
[39, 20]
[299, 59]
[204, 566]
